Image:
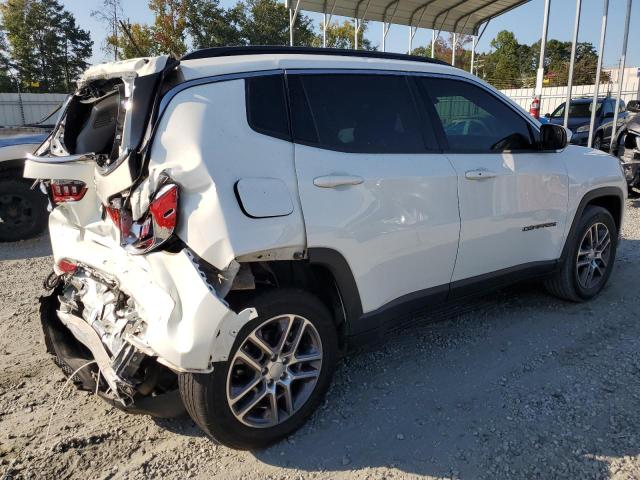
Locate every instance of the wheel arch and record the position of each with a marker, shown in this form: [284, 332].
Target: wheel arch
[9, 167]
[609, 198]
[325, 273]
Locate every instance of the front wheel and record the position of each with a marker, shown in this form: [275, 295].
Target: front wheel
[589, 260]
[279, 368]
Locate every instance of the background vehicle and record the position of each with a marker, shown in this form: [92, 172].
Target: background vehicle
[258, 210]
[627, 145]
[23, 211]
[580, 117]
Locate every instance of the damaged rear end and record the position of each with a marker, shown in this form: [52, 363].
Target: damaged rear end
[128, 301]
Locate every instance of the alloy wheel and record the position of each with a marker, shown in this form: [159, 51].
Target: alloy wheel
[593, 256]
[274, 371]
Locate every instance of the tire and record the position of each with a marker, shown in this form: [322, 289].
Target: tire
[597, 142]
[568, 283]
[207, 397]
[23, 212]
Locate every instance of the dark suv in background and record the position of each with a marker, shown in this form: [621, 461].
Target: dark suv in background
[580, 117]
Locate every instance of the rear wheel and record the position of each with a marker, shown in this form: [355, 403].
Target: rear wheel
[590, 257]
[279, 368]
[23, 212]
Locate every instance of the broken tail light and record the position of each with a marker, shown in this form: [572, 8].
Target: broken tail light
[155, 227]
[67, 190]
[66, 266]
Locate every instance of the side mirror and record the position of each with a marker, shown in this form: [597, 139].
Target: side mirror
[547, 115]
[633, 106]
[554, 137]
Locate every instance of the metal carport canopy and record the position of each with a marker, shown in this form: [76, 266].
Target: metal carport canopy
[456, 16]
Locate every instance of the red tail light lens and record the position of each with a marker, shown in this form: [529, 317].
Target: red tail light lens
[157, 225]
[164, 208]
[67, 190]
[67, 266]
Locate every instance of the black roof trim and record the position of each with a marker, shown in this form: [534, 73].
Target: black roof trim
[265, 50]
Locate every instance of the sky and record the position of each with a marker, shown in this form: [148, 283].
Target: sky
[524, 21]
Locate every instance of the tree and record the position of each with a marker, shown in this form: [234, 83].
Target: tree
[47, 48]
[77, 46]
[504, 62]
[110, 15]
[6, 82]
[343, 36]
[266, 22]
[134, 40]
[443, 50]
[210, 25]
[170, 25]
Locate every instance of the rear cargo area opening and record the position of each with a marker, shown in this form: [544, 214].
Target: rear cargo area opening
[94, 121]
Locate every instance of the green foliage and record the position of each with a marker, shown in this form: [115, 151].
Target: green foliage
[210, 25]
[266, 22]
[170, 25]
[48, 50]
[444, 50]
[343, 36]
[6, 81]
[133, 40]
[513, 65]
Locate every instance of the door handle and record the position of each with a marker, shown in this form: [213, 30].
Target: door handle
[333, 181]
[479, 174]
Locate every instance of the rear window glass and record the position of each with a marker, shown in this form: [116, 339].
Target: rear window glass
[266, 106]
[355, 113]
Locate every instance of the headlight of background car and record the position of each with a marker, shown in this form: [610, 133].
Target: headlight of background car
[583, 128]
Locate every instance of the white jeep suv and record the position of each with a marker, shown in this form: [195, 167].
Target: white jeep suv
[224, 226]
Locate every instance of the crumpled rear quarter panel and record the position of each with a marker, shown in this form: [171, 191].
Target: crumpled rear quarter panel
[205, 144]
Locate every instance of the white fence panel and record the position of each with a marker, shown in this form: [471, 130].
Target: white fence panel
[16, 110]
[552, 97]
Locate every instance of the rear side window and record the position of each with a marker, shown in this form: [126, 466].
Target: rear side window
[355, 113]
[473, 119]
[266, 106]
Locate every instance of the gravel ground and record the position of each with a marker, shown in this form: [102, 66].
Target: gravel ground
[515, 385]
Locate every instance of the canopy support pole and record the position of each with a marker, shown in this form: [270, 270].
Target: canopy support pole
[433, 44]
[358, 22]
[412, 34]
[543, 47]
[623, 60]
[293, 14]
[473, 53]
[576, 28]
[594, 104]
[327, 21]
[324, 30]
[453, 49]
[386, 25]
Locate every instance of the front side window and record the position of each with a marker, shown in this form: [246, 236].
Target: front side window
[474, 120]
[356, 113]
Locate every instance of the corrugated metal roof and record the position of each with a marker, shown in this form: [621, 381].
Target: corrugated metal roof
[459, 16]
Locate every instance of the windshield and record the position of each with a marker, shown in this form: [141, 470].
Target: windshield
[577, 110]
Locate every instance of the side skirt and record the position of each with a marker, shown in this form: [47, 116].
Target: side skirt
[372, 326]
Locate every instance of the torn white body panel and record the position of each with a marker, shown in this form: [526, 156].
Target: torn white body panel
[185, 325]
[205, 144]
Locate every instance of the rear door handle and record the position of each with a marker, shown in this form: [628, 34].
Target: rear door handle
[479, 174]
[333, 181]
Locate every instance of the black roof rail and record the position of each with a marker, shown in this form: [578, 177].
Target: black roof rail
[280, 50]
